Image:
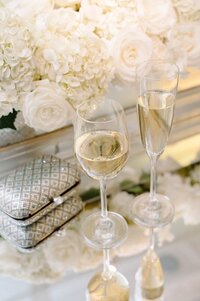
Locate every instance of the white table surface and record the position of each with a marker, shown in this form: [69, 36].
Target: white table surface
[180, 259]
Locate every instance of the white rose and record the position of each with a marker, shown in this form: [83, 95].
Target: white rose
[63, 252]
[45, 108]
[157, 17]
[130, 48]
[90, 12]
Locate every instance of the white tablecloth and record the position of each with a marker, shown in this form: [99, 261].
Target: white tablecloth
[180, 259]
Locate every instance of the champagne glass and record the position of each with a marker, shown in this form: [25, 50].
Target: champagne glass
[101, 146]
[109, 284]
[157, 82]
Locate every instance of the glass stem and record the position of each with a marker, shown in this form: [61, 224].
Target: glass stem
[104, 206]
[106, 264]
[153, 178]
[152, 239]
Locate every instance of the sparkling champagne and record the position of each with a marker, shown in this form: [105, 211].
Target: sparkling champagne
[102, 153]
[155, 111]
[115, 288]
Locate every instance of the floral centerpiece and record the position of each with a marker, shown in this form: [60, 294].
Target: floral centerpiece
[56, 54]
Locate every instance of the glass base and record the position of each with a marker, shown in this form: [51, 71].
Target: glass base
[104, 233]
[156, 214]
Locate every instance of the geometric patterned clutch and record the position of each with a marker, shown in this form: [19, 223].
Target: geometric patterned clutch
[36, 199]
[26, 237]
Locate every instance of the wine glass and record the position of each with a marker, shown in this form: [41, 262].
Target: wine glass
[109, 284]
[101, 147]
[157, 82]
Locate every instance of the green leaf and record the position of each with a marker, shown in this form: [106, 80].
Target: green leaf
[90, 194]
[135, 190]
[8, 120]
[145, 178]
[126, 184]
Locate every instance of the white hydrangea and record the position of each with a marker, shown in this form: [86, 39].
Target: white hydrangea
[69, 54]
[185, 37]
[156, 18]
[183, 195]
[121, 203]
[63, 253]
[29, 267]
[89, 259]
[9, 136]
[171, 185]
[107, 25]
[28, 9]
[135, 243]
[165, 235]
[191, 214]
[63, 22]
[17, 69]
[110, 5]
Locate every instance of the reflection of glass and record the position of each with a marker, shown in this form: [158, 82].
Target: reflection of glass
[101, 146]
[150, 276]
[109, 284]
[157, 91]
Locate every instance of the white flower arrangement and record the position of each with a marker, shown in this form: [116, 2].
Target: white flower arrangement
[68, 251]
[80, 46]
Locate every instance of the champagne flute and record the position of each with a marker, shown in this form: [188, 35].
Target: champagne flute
[158, 82]
[109, 284]
[101, 146]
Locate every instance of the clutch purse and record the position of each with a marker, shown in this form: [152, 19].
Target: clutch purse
[38, 198]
